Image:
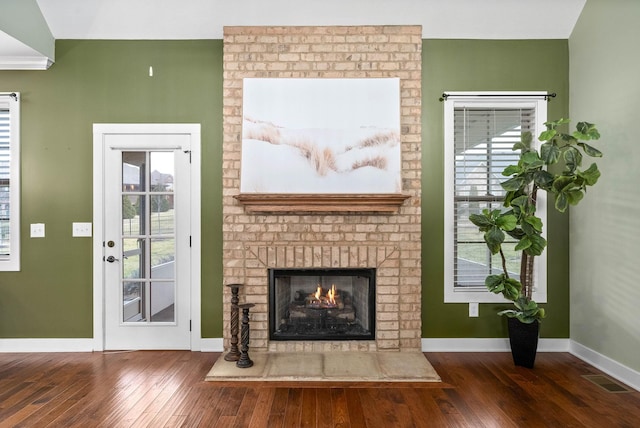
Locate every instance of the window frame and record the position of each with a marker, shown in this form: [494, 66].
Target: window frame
[11, 100]
[534, 99]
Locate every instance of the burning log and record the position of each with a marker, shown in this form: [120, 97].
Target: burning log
[299, 312]
[329, 300]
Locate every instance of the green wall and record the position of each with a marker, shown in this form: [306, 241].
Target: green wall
[605, 66]
[482, 65]
[107, 81]
[102, 82]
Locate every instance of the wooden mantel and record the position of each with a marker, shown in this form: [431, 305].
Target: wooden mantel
[310, 202]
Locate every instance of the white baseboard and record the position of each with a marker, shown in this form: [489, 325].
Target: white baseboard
[611, 367]
[81, 345]
[211, 345]
[46, 345]
[488, 345]
[442, 345]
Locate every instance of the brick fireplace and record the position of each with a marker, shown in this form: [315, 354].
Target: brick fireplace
[322, 304]
[389, 242]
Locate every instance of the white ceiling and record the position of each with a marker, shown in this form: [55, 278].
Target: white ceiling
[205, 19]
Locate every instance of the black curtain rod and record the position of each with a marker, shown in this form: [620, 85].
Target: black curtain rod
[14, 96]
[547, 97]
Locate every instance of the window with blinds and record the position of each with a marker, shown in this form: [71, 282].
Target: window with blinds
[483, 141]
[480, 131]
[9, 176]
[5, 168]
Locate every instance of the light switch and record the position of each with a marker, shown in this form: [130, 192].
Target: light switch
[37, 230]
[81, 229]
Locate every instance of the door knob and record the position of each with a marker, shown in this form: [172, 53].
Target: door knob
[111, 259]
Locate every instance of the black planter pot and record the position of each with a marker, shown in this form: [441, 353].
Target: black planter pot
[524, 341]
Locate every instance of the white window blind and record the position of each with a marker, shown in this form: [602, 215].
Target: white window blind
[9, 182]
[483, 141]
[5, 177]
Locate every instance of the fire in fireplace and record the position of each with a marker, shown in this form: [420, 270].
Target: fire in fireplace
[322, 304]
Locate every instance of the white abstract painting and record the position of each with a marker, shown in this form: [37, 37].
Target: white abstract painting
[321, 136]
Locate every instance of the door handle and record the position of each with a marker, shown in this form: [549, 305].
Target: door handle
[112, 259]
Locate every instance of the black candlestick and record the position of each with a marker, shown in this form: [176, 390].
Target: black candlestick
[244, 361]
[234, 353]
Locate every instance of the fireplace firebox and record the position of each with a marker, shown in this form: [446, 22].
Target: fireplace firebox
[322, 304]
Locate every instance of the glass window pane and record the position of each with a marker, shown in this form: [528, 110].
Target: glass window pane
[473, 259]
[132, 301]
[162, 171]
[5, 241]
[132, 207]
[163, 258]
[162, 215]
[133, 171]
[133, 258]
[472, 264]
[162, 301]
[5, 218]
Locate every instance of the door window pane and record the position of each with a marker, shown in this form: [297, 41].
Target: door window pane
[132, 221]
[132, 303]
[133, 171]
[162, 171]
[162, 215]
[133, 258]
[163, 258]
[162, 301]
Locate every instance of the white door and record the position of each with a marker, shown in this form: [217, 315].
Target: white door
[146, 239]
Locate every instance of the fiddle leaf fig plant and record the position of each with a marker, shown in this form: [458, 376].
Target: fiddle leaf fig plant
[556, 168]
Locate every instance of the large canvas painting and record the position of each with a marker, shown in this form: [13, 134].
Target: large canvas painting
[321, 136]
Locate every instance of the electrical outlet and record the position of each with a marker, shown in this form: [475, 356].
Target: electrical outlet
[81, 229]
[473, 309]
[37, 230]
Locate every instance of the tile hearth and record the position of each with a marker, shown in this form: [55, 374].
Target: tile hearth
[328, 366]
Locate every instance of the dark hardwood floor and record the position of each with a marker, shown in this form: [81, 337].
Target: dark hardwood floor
[166, 389]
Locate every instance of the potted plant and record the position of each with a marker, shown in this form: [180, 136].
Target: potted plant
[556, 168]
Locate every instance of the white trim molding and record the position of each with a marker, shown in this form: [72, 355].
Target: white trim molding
[83, 345]
[488, 345]
[611, 367]
[46, 345]
[25, 63]
[211, 344]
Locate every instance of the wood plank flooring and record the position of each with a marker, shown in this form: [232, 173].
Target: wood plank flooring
[166, 389]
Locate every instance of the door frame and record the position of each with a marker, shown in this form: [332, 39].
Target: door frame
[99, 132]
